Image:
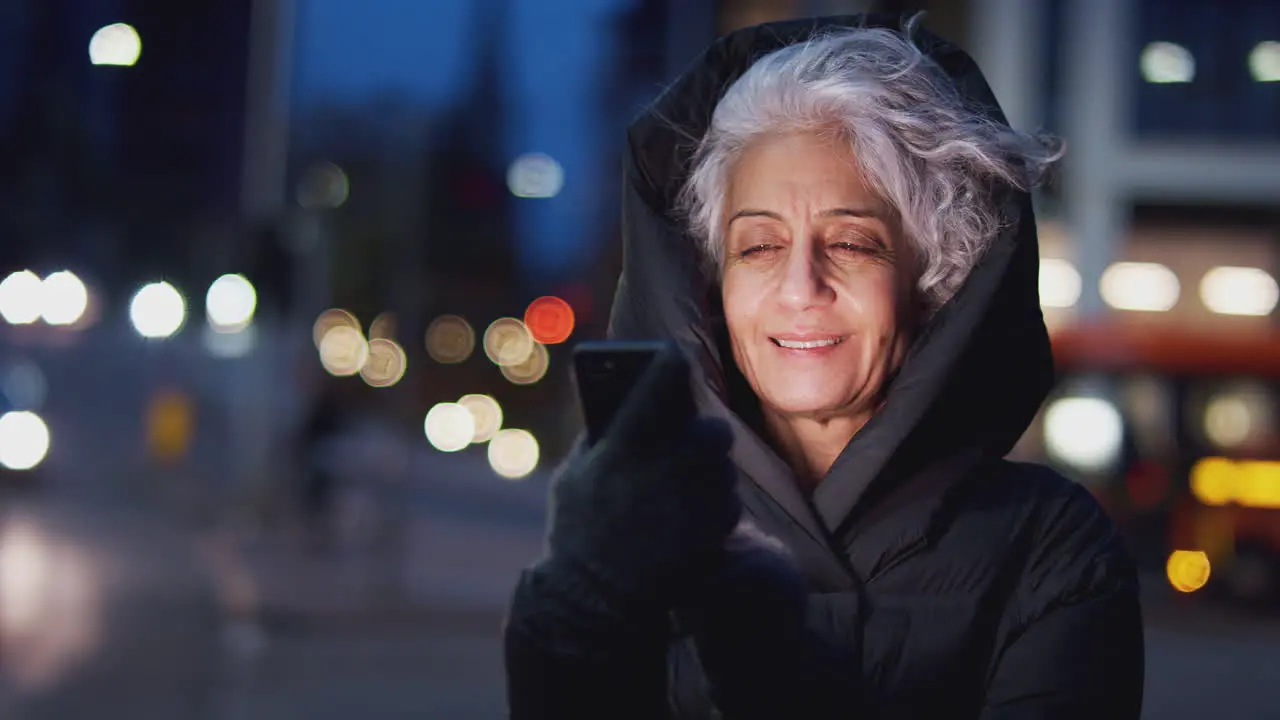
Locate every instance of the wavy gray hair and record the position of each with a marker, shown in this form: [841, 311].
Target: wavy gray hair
[929, 153]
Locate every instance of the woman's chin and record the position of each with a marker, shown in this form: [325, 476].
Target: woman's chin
[807, 402]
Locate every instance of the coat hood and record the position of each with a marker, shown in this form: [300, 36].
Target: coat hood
[973, 379]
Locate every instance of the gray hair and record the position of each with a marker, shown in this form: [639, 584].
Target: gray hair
[930, 154]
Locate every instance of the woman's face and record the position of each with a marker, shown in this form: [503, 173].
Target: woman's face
[817, 281]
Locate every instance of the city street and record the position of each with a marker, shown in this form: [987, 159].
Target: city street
[159, 622]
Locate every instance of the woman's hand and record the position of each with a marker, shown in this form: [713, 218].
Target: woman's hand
[635, 522]
[646, 511]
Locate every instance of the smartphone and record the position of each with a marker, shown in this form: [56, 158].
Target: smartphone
[605, 373]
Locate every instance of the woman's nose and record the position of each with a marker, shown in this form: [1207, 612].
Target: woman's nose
[804, 283]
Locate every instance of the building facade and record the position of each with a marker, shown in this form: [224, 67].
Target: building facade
[1173, 140]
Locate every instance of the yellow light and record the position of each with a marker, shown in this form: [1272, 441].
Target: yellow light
[343, 351]
[329, 319]
[450, 339]
[507, 342]
[1248, 483]
[513, 454]
[1188, 570]
[487, 414]
[383, 326]
[170, 426]
[532, 369]
[386, 363]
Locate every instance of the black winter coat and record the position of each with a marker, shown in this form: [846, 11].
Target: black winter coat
[966, 586]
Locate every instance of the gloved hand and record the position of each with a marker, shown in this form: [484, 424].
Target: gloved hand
[636, 520]
[750, 623]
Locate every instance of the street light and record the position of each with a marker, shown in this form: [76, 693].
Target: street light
[20, 295]
[230, 303]
[64, 298]
[157, 310]
[116, 44]
[24, 440]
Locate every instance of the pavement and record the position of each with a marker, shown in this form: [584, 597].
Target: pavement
[146, 618]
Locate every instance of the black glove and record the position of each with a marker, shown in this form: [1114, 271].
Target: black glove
[635, 522]
[750, 622]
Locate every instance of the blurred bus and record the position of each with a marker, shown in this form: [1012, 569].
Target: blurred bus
[1175, 431]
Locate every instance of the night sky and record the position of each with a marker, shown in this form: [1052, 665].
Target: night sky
[557, 55]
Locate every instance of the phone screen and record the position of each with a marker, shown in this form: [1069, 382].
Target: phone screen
[605, 373]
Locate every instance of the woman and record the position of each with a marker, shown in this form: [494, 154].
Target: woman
[830, 220]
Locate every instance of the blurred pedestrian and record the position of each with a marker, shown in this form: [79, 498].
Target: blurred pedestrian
[324, 424]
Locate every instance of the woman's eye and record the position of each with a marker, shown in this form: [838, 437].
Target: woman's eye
[861, 247]
[758, 249]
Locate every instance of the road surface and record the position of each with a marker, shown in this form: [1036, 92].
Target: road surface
[154, 619]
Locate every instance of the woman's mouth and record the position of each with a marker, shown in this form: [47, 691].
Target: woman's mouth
[807, 343]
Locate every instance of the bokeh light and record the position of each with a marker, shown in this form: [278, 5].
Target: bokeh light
[1060, 283]
[24, 440]
[51, 604]
[64, 298]
[533, 369]
[1248, 483]
[549, 319]
[1166, 62]
[330, 319]
[21, 295]
[1140, 287]
[343, 351]
[230, 303]
[1084, 432]
[1240, 415]
[487, 414]
[386, 363]
[383, 326]
[507, 342]
[535, 175]
[1188, 570]
[1239, 291]
[449, 427]
[157, 310]
[513, 453]
[115, 44]
[1228, 420]
[450, 339]
[323, 186]
[1264, 62]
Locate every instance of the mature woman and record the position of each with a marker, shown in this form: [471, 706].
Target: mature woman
[830, 221]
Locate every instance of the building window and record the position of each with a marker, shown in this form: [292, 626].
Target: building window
[1206, 71]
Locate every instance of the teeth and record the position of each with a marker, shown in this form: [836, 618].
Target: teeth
[807, 344]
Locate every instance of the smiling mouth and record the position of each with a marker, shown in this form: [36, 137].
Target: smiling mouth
[807, 344]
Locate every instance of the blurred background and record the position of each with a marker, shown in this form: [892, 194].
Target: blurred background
[287, 289]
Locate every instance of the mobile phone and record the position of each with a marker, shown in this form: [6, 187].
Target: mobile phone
[605, 373]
